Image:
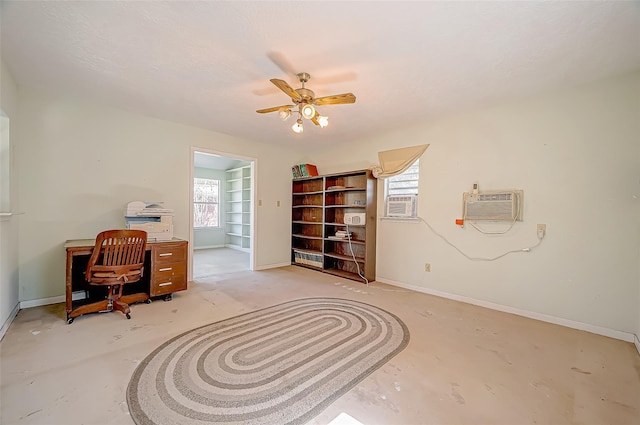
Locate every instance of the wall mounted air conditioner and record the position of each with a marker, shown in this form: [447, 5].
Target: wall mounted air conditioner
[401, 206]
[504, 205]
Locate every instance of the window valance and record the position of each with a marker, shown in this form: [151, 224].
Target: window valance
[396, 161]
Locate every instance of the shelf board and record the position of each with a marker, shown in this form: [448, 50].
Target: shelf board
[346, 206]
[347, 189]
[316, 192]
[308, 222]
[343, 257]
[353, 241]
[306, 206]
[308, 266]
[300, 235]
[307, 251]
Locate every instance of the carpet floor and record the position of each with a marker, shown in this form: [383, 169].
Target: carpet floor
[279, 365]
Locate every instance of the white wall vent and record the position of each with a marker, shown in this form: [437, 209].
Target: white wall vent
[401, 206]
[504, 205]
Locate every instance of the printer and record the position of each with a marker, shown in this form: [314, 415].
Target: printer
[151, 217]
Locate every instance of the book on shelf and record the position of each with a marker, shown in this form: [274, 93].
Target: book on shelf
[304, 170]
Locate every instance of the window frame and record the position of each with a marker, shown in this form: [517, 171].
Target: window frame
[216, 204]
[413, 190]
[413, 169]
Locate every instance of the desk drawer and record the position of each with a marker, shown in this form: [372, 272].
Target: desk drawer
[169, 253]
[168, 271]
[169, 268]
[168, 284]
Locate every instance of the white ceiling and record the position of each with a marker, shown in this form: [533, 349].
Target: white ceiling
[216, 162]
[208, 63]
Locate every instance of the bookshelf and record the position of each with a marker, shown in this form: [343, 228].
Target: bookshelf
[238, 208]
[319, 205]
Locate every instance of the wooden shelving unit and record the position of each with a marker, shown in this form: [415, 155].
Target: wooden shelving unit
[238, 208]
[319, 205]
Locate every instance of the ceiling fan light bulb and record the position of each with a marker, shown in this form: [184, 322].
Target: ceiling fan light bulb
[284, 113]
[308, 111]
[297, 126]
[323, 121]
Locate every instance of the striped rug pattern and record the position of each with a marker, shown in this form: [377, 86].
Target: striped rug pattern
[280, 365]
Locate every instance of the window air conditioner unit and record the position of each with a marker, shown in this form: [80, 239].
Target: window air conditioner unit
[401, 206]
[493, 206]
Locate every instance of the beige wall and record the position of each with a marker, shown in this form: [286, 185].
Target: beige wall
[8, 225]
[80, 164]
[576, 155]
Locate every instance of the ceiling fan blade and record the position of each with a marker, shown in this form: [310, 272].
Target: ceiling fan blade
[286, 88]
[282, 62]
[335, 99]
[274, 109]
[314, 119]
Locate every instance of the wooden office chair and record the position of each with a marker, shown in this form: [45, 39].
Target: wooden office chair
[117, 259]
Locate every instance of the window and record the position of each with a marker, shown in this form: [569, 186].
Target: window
[206, 200]
[405, 183]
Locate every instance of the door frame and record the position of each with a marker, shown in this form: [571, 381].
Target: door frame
[254, 172]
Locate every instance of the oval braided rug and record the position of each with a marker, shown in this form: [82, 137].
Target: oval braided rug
[280, 365]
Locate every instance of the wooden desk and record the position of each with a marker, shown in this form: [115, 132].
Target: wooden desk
[165, 272]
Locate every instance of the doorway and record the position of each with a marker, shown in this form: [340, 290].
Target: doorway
[222, 219]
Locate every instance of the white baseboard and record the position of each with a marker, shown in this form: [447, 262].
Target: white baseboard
[272, 266]
[7, 323]
[43, 301]
[237, 248]
[195, 248]
[624, 336]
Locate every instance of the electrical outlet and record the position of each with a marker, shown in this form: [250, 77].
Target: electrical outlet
[427, 267]
[277, 203]
[542, 230]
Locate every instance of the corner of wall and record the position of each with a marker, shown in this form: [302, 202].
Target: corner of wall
[7, 323]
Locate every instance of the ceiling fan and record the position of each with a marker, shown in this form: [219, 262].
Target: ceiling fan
[304, 103]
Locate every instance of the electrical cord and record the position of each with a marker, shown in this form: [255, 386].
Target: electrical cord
[366, 281]
[448, 242]
[527, 249]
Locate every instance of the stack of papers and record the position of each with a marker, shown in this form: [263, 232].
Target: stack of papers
[341, 235]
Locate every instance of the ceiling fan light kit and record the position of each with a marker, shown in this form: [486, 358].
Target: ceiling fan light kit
[308, 111]
[323, 121]
[297, 126]
[304, 101]
[284, 113]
